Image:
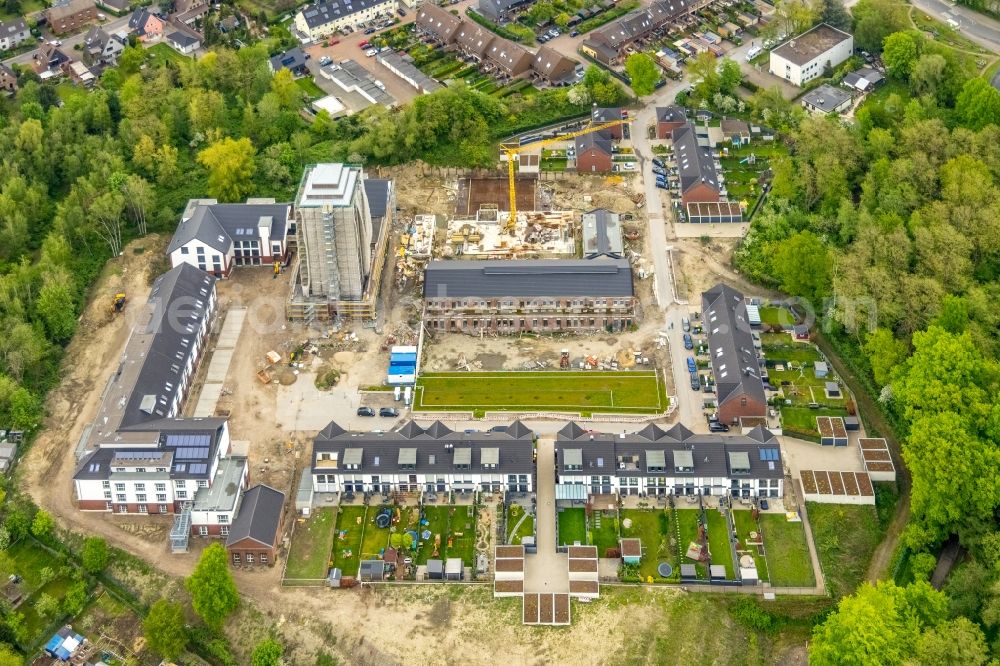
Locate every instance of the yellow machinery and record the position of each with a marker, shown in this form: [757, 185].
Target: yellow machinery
[118, 303]
[512, 150]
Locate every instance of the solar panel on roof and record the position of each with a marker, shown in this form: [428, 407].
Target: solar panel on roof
[199, 468]
[192, 453]
[188, 440]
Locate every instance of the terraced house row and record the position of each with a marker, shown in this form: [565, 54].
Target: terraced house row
[495, 54]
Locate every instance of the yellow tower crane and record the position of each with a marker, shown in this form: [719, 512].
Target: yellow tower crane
[512, 150]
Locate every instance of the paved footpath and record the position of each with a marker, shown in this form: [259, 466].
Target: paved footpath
[546, 570]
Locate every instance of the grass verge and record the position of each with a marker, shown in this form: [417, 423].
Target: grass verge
[311, 545]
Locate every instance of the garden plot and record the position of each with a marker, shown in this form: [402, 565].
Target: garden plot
[750, 541]
[312, 544]
[788, 561]
[653, 528]
[718, 541]
[745, 169]
[791, 368]
[520, 524]
[687, 522]
[447, 531]
[347, 539]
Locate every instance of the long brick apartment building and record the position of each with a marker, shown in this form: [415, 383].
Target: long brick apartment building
[547, 296]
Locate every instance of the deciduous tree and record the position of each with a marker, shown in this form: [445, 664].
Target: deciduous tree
[165, 630]
[95, 554]
[213, 592]
[230, 164]
[267, 653]
[899, 53]
[643, 73]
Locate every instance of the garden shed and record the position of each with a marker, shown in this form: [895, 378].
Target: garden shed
[821, 369]
[833, 390]
[717, 572]
[631, 551]
[852, 423]
[335, 577]
[435, 569]
[800, 332]
[689, 572]
[372, 571]
[453, 569]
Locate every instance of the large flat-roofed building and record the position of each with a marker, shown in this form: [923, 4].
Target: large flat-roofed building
[417, 459]
[805, 57]
[340, 250]
[545, 296]
[738, 382]
[318, 20]
[658, 462]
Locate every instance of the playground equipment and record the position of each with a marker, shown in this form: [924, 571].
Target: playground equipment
[749, 159]
[383, 518]
[437, 546]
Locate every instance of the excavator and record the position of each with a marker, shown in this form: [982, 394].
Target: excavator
[511, 151]
[118, 302]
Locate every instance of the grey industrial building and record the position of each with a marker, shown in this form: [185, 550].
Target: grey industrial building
[341, 249]
[547, 296]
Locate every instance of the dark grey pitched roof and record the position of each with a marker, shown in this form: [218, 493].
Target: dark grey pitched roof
[518, 429]
[182, 38]
[181, 300]
[606, 114]
[629, 454]
[694, 163]
[291, 59]
[218, 225]
[435, 446]
[13, 27]
[259, 516]
[378, 191]
[497, 7]
[601, 140]
[325, 12]
[528, 278]
[602, 234]
[671, 114]
[138, 20]
[730, 345]
[640, 23]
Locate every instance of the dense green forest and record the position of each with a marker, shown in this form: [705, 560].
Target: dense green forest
[888, 229]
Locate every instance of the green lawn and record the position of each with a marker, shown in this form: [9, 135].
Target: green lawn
[787, 552]
[639, 392]
[801, 421]
[347, 539]
[846, 536]
[160, 54]
[777, 317]
[572, 527]
[309, 555]
[526, 528]
[718, 542]
[744, 525]
[653, 527]
[454, 523]
[376, 539]
[687, 526]
[309, 88]
[437, 524]
[789, 352]
[605, 536]
[26, 559]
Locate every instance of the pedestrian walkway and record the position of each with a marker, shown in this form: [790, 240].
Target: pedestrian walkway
[218, 367]
[546, 570]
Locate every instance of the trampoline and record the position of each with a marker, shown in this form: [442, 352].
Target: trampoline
[664, 570]
[382, 520]
[426, 534]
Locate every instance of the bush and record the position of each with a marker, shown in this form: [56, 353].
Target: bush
[748, 613]
[211, 646]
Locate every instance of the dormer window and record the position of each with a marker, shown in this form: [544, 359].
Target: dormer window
[655, 461]
[573, 460]
[463, 458]
[408, 459]
[683, 461]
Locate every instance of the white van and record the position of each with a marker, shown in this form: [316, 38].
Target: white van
[753, 52]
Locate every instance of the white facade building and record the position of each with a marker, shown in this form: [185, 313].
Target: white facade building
[325, 18]
[805, 57]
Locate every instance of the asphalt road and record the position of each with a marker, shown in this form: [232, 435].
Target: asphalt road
[981, 29]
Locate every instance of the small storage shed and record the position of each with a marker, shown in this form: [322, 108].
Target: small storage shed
[688, 572]
[372, 571]
[717, 572]
[333, 580]
[453, 569]
[631, 551]
[852, 423]
[435, 569]
[821, 369]
[801, 332]
[833, 390]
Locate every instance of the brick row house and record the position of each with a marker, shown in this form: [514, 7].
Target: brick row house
[66, 16]
[608, 44]
[414, 459]
[544, 296]
[674, 462]
[735, 363]
[496, 55]
[253, 539]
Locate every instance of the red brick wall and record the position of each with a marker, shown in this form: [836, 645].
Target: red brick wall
[253, 548]
[700, 192]
[593, 161]
[663, 129]
[152, 508]
[734, 408]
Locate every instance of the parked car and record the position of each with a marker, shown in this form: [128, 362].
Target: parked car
[661, 185]
[659, 171]
[366, 411]
[686, 324]
[369, 31]
[325, 60]
[657, 162]
[688, 342]
[628, 166]
[401, 11]
[695, 382]
[371, 52]
[717, 426]
[363, 43]
[692, 366]
[575, 33]
[388, 411]
[543, 38]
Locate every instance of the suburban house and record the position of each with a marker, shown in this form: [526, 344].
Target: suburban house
[699, 179]
[669, 118]
[473, 40]
[739, 386]
[183, 40]
[102, 49]
[736, 131]
[256, 532]
[826, 99]
[594, 152]
[138, 455]
[316, 21]
[8, 79]
[552, 67]
[865, 79]
[509, 58]
[146, 25]
[602, 235]
[805, 57]
[70, 15]
[499, 11]
[13, 33]
[438, 23]
[294, 60]
[541, 295]
[48, 61]
[216, 237]
[608, 115]
[79, 73]
[607, 44]
[186, 12]
[414, 459]
[658, 462]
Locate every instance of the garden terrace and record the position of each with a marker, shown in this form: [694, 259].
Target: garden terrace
[833, 487]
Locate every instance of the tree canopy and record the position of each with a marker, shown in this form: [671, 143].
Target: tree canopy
[213, 592]
[164, 629]
[643, 72]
